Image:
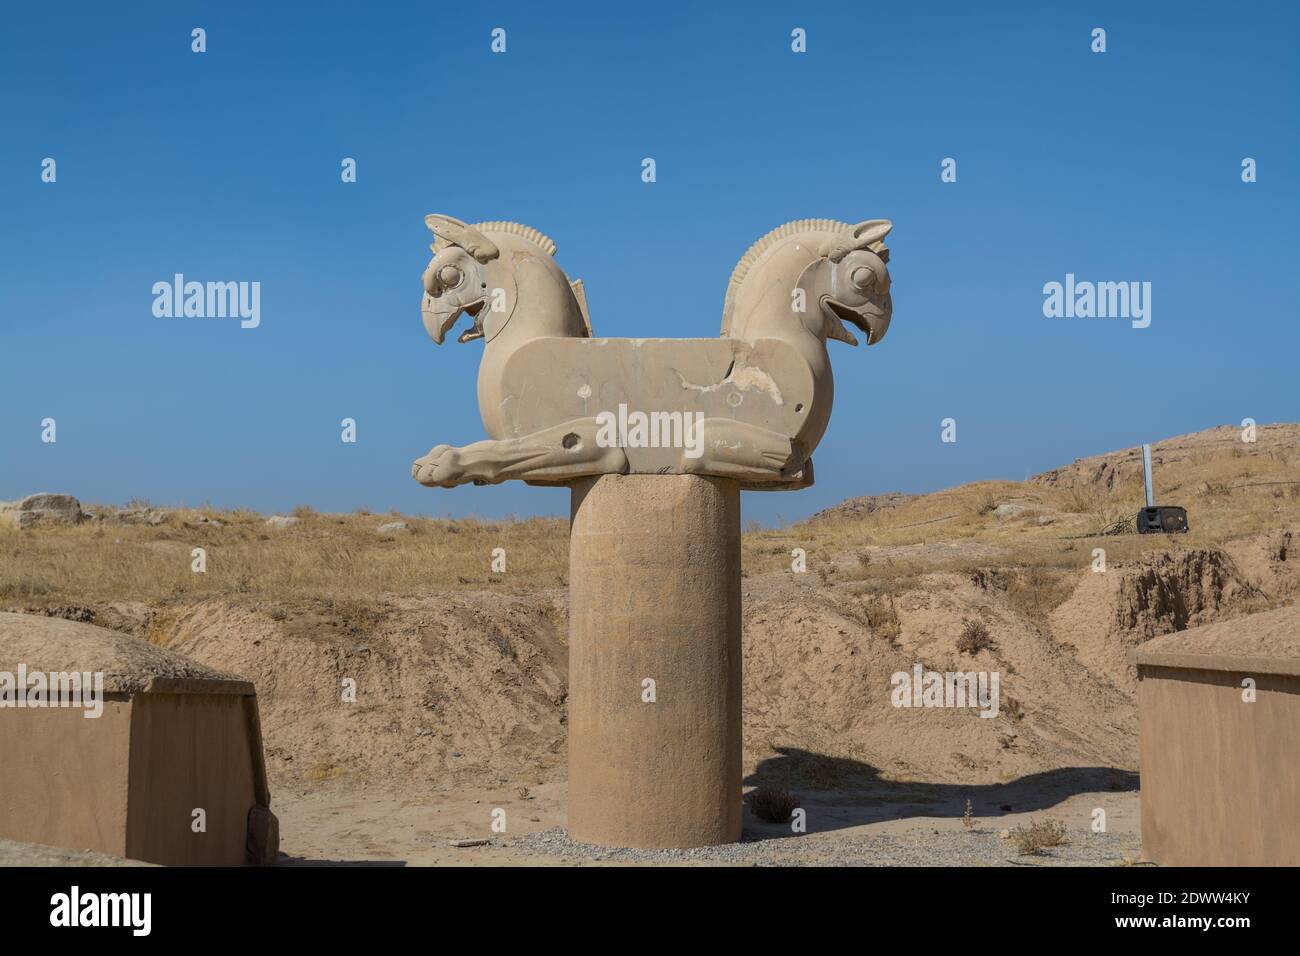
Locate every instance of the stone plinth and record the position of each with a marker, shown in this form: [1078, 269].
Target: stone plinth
[170, 736]
[1221, 771]
[654, 564]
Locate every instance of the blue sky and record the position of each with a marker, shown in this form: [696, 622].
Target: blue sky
[1122, 166]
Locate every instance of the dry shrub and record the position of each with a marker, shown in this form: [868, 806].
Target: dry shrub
[882, 618]
[774, 806]
[974, 637]
[1081, 499]
[357, 617]
[1036, 592]
[1038, 835]
[987, 579]
[1012, 707]
[322, 771]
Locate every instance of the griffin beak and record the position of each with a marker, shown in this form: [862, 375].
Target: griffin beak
[836, 313]
[439, 320]
[872, 321]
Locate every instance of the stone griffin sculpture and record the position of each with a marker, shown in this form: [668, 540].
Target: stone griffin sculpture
[750, 405]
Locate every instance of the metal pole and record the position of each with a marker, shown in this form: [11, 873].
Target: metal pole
[1146, 475]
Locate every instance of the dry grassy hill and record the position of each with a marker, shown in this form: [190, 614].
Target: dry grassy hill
[461, 672]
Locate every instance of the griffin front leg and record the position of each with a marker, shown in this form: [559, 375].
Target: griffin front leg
[732, 449]
[557, 453]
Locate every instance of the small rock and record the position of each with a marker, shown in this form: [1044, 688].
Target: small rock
[391, 527]
[1046, 519]
[1004, 834]
[1009, 509]
[281, 521]
[144, 516]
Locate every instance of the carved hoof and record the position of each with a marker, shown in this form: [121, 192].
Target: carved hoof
[438, 469]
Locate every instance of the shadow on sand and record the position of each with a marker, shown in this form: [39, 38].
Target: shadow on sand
[839, 792]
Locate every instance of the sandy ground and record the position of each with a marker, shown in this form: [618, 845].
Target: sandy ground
[340, 825]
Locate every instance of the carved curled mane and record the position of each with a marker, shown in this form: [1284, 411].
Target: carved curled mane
[518, 229]
[767, 242]
[776, 235]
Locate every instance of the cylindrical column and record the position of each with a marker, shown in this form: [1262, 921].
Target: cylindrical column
[654, 596]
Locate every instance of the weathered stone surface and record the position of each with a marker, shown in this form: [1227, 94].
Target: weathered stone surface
[560, 405]
[391, 527]
[44, 508]
[654, 595]
[281, 521]
[151, 517]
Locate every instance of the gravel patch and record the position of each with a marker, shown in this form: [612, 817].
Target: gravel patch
[977, 847]
[13, 853]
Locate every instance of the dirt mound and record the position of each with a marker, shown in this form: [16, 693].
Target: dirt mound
[819, 664]
[473, 683]
[1271, 560]
[1113, 612]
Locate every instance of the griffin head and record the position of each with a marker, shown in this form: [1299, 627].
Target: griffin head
[456, 279]
[859, 291]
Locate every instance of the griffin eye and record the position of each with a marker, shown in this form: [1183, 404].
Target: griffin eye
[863, 277]
[450, 276]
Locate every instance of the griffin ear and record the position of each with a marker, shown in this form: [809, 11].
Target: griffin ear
[871, 231]
[438, 224]
[459, 234]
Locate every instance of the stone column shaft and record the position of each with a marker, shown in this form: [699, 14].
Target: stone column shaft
[654, 572]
